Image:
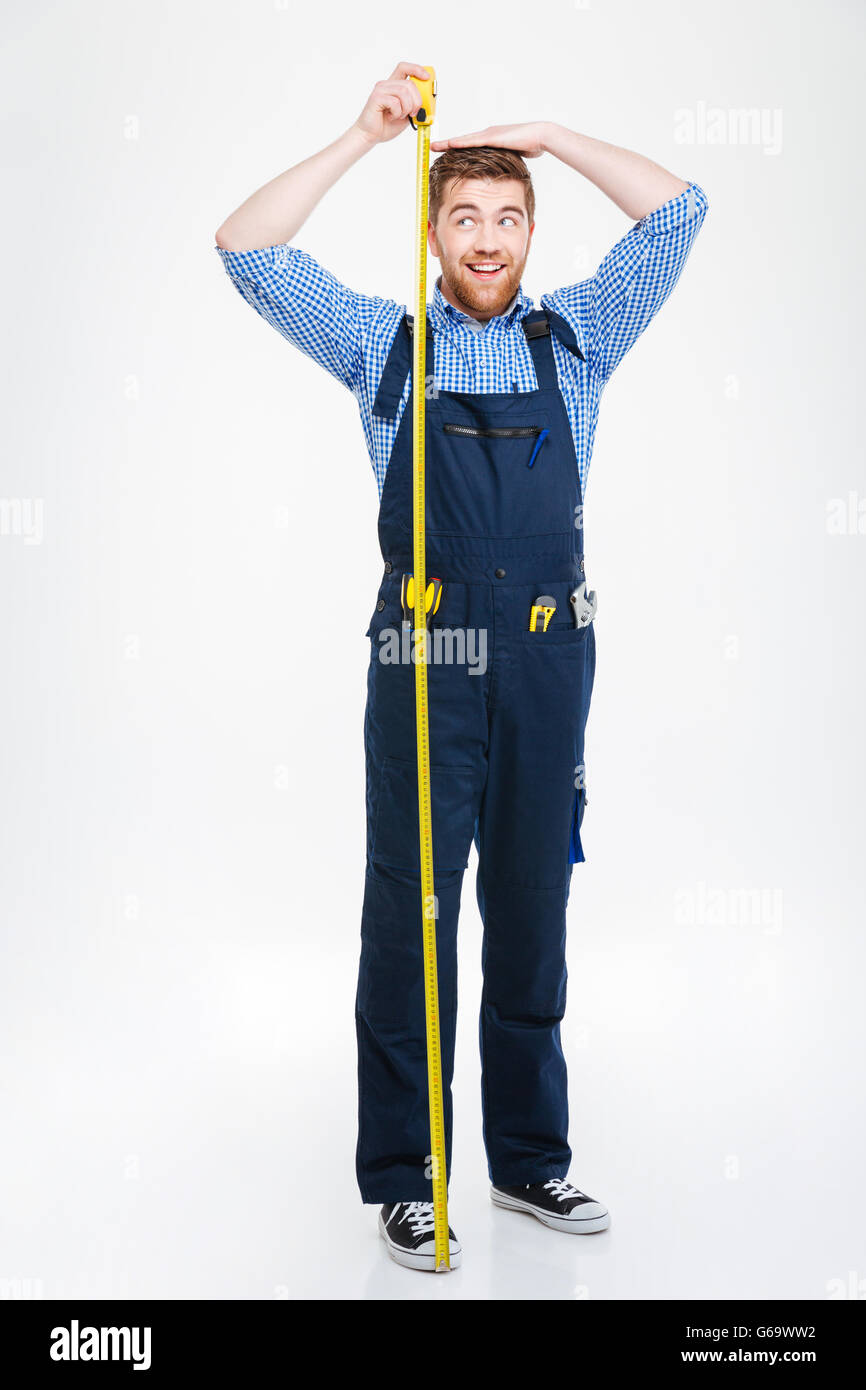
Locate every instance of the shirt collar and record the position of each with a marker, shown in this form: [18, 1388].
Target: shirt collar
[442, 313]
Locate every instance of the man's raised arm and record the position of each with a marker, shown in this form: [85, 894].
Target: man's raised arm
[275, 213]
[308, 305]
[609, 311]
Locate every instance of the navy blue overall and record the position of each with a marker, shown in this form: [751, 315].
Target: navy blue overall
[504, 526]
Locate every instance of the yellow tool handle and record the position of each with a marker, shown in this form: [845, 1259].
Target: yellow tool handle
[427, 90]
[546, 607]
[442, 1256]
[433, 596]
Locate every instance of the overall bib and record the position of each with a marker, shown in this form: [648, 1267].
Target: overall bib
[504, 526]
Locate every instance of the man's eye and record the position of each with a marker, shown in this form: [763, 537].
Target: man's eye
[511, 220]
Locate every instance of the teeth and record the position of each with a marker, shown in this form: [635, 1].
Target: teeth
[491, 265]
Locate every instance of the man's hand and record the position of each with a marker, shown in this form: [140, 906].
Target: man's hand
[530, 139]
[390, 102]
[637, 185]
[275, 213]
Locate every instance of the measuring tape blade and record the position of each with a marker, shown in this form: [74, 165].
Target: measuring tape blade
[423, 122]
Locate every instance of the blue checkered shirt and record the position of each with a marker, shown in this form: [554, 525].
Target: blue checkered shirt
[350, 334]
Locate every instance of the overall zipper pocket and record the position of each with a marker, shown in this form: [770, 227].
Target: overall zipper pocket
[503, 432]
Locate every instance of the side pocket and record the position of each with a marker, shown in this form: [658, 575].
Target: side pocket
[395, 840]
[576, 854]
[387, 612]
[377, 619]
[557, 634]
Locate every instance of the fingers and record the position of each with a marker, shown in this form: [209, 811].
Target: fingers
[457, 142]
[390, 106]
[400, 98]
[411, 70]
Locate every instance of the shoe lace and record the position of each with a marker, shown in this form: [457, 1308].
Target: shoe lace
[420, 1216]
[562, 1189]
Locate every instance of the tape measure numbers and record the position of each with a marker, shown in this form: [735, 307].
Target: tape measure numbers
[422, 122]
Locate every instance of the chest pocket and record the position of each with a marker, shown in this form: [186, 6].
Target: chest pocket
[498, 477]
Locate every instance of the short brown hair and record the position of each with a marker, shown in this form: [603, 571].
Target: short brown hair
[477, 162]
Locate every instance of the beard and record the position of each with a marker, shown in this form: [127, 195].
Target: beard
[475, 296]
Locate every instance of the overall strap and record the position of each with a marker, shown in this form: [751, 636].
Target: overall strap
[538, 326]
[398, 367]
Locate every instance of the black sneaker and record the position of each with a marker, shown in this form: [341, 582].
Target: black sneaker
[407, 1229]
[557, 1204]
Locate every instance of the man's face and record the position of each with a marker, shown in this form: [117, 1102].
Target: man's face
[482, 239]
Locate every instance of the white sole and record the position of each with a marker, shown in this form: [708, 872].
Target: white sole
[411, 1259]
[597, 1218]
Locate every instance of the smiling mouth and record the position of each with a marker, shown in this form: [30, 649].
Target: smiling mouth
[486, 270]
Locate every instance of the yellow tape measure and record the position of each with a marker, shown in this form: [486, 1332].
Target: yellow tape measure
[423, 122]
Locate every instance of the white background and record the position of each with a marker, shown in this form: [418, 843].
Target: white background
[184, 662]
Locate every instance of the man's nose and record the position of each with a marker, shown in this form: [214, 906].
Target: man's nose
[487, 240]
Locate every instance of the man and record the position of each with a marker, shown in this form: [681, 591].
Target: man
[511, 417]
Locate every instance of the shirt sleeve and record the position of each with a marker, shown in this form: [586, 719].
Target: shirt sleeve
[610, 310]
[305, 303]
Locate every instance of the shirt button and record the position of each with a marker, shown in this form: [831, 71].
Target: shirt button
[380, 605]
[500, 574]
[388, 567]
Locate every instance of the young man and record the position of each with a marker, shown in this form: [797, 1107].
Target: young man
[511, 417]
